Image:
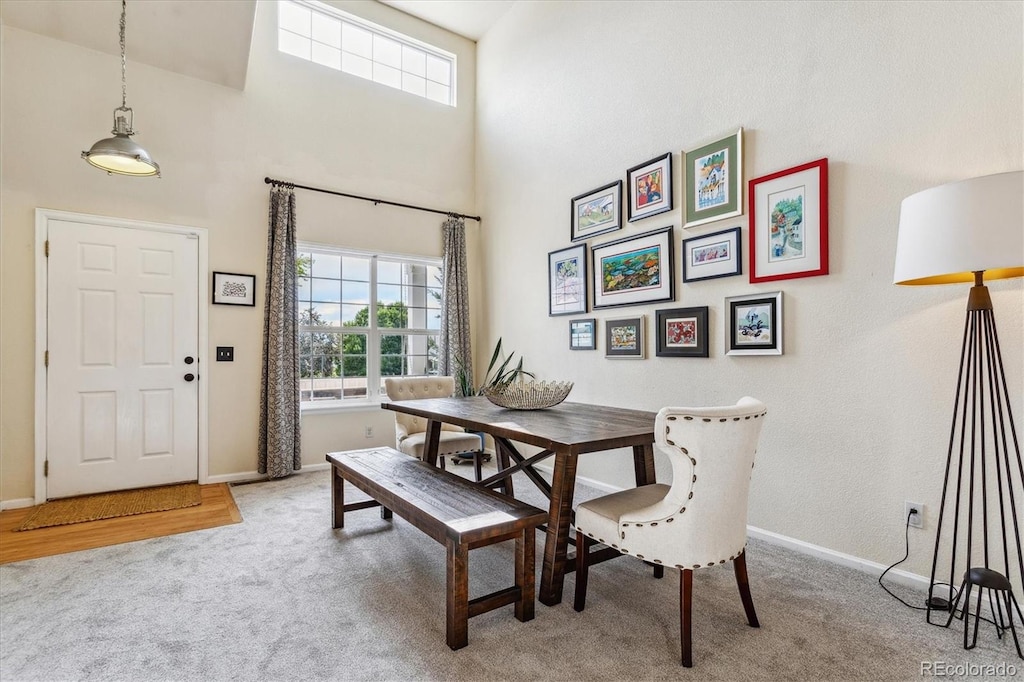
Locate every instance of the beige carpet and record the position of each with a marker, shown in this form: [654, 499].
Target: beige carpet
[111, 505]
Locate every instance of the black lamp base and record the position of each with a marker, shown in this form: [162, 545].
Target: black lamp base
[999, 587]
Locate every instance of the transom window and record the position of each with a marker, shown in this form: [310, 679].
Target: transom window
[322, 34]
[363, 317]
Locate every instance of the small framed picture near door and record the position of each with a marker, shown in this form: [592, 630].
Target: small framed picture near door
[682, 332]
[230, 288]
[624, 338]
[567, 281]
[583, 334]
[754, 324]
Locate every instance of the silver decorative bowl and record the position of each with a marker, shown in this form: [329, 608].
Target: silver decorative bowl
[529, 395]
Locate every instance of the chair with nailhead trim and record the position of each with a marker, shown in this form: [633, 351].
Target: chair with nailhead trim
[411, 431]
[699, 521]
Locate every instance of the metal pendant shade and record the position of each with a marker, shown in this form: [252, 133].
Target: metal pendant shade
[120, 154]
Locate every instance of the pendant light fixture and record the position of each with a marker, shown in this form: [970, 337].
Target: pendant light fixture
[121, 154]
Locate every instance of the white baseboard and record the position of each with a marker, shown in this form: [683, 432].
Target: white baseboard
[906, 578]
[19, 503]
[251, 476]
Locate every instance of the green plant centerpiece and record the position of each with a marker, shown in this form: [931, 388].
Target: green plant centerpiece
[507, 387]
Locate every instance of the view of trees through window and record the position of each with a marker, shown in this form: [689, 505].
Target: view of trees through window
[346, 344]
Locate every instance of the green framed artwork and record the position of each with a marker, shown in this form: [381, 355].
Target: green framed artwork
[714, 175]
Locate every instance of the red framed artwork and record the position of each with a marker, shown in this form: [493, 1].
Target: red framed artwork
[788, 233]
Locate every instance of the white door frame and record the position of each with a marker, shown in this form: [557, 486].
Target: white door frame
[43, 216]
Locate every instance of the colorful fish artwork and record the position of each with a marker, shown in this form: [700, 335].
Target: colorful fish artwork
[630, 271]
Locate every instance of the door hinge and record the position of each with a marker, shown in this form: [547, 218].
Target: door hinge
[46, 248]
[46, 358]
[46, 467]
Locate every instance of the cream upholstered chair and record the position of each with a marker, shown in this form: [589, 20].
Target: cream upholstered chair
[700, 520]
[411, 432]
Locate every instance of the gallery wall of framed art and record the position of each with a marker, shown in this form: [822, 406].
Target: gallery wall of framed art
[786, 236]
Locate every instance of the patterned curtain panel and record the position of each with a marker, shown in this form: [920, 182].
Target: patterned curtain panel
[279, 443]
[456, 357]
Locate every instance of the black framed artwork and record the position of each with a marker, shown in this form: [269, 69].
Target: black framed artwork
[682, 332]
[231, 288]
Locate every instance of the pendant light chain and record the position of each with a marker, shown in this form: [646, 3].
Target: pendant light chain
[124, 80]
[120, 154]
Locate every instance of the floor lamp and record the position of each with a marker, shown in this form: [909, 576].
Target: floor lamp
[973, 231]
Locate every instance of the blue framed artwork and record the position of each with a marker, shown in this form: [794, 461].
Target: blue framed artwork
[567, 281]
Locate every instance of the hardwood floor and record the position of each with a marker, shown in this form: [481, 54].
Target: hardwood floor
[217, 509]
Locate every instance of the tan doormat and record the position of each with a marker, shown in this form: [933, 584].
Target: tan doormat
[111, 505]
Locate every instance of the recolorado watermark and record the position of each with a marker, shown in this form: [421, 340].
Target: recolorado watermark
[985, 670]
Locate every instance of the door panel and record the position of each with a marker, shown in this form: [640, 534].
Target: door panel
[122, 315]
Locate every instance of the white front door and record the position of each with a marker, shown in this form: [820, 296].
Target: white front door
[122, 406]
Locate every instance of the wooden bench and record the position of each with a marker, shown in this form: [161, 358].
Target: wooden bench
[457, 513]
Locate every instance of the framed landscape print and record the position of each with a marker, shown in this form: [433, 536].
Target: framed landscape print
[789, 223]
[567, 281]
[230, 288]
[712, 255]
[754, 324]
[714, 180]
[649, 187]
[624, 338]
[634, 270]
[597, 212]
[682, 332]
[583, 334]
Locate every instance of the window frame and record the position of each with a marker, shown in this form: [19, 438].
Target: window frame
[374, 394]
[375, 29]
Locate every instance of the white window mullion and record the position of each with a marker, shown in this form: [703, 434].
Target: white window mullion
[373, 338]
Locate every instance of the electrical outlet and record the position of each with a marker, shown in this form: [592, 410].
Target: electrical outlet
[916, 520]
[369, 432]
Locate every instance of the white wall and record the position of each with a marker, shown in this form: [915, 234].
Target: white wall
[898, 96]
[295, 121]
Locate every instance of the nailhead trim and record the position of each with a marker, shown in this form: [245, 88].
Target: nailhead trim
[653, 524]
[670, 519]
[671, 419]
[657, 561]
[639, 556]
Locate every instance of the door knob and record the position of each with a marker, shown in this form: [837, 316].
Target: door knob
[189, 360]
[190, 377]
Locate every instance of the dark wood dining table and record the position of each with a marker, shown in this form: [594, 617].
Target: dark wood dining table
[563, 432]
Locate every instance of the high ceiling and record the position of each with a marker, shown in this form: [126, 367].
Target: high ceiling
[468, 18]
[206, 39]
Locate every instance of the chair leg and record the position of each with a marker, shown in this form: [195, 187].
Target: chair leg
[478, 462]
[582, 548]
[739, 564]
[685, 615]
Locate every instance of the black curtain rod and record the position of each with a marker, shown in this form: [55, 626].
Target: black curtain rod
[272, 181]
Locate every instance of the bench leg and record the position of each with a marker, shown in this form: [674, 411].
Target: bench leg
[385, 513]
[338, 498]
[457, 595]
[525, 575]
